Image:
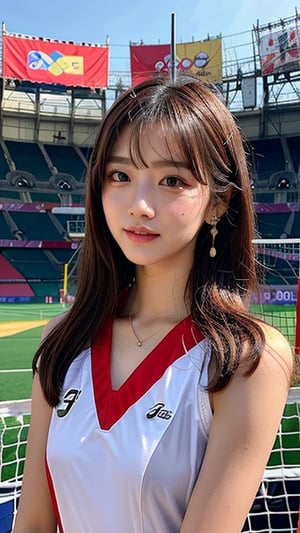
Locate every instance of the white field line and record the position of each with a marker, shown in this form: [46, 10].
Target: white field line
[16, 370]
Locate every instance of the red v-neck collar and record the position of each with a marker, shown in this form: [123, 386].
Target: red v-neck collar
[112, 404]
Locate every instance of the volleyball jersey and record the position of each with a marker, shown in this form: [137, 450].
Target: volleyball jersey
[126, 460]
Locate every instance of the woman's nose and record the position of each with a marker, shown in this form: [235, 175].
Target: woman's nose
[142, 203]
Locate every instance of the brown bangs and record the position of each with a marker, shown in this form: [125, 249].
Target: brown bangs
[182, 134]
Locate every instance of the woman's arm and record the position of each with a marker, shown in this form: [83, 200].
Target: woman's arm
[35, 513]
[246, 418]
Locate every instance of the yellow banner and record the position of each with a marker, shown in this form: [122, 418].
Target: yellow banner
[202, 59]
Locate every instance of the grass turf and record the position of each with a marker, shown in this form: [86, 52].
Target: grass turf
[16, 351]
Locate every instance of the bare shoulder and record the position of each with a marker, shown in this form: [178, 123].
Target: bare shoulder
[278, 344]
[277, 359]
[52, 324]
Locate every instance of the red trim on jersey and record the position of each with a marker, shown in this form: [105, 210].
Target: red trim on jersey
[53, 497]
[112, 404]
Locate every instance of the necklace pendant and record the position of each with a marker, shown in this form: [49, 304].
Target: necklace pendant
[139, 343]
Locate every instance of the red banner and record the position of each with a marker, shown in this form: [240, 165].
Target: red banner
[202, 59]
[146, 60]
[43, 61]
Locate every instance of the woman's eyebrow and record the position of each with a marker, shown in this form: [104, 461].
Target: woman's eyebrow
[156, 164]
[119, 159]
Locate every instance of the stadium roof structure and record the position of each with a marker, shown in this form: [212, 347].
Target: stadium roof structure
[260, 85]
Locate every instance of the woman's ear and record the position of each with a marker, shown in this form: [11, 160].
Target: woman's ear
[218, 206]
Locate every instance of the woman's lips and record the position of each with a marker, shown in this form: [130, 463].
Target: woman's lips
[140, 235]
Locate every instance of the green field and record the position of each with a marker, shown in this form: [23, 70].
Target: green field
[17, 350]
[17, 312]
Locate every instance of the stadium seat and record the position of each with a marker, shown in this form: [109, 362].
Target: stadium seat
[67, 160]
[268, 156]
[28, 157]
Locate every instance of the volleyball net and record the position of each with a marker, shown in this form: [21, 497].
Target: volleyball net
[280, 262]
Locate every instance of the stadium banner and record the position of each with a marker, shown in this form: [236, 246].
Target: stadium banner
[47, 61]
[12, 243]
[276, 295]
[202, 59]
[279, 51]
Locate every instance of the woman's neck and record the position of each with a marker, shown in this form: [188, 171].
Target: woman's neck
[158, 294]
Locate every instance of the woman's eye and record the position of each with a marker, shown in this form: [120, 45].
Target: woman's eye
[119, 176]
[173, 181]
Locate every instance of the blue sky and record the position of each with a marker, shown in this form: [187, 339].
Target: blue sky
[132, 20]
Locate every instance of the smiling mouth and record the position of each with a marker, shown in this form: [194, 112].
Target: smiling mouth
[141, 236]
[141, 232]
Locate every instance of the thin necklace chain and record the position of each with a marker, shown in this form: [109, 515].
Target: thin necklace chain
[140, 342]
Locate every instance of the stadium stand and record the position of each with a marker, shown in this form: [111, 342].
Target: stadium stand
[5, 231]
[32, 264]
[4, 168]
[35, 226]
[274, 225]
[269, 157]
[21, 289]
[28, 156]
[294, 148]
[86, 152]
[67, 159]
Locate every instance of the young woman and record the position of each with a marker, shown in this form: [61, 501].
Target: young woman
[157, 397]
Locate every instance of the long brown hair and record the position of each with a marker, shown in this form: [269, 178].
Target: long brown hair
[218, 288]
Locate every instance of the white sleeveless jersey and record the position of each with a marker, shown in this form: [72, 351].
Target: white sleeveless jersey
[126, 461]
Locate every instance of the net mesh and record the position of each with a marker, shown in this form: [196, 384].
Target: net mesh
[14, 425]
[280, 259]
[276, 506]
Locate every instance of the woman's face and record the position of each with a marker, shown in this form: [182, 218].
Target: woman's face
[154, 212]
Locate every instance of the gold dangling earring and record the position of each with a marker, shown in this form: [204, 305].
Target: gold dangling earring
[214, 232]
